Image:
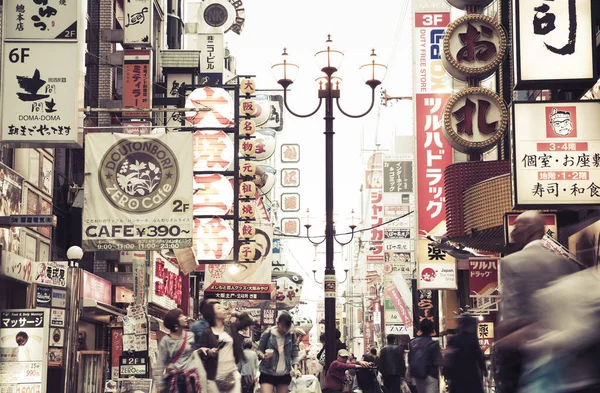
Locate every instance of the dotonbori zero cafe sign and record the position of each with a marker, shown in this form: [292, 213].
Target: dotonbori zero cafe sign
[137, 192]
[556, 153]
[40, 94]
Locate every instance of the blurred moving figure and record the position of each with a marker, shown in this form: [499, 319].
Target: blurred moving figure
[249, 367]
[366, 378]
[425, 359]
[569, 312]
[334, 380]
[521, 275]
[176, 370]
[464, 363]
[392, 366]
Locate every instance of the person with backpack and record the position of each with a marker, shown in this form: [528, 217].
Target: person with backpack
[391, 365]
[425, 359]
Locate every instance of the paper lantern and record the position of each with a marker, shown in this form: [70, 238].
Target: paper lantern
[247, 127]
[247, 210]
[247, 86]
[247, 252]
[248, 107]
[247, 189]
[247, 147]
[247, 168]
[247, 231]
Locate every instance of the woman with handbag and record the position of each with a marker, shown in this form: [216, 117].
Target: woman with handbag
[221, 350]
[176, 370]
[278, 348]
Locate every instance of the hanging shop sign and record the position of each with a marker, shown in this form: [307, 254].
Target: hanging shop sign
[138, 23]
[290, 226]
[397, 176]
[38, 21]
[41, 94]
[213, 239]
[213, 194]
[16, 267]
[475, 120]
[474, 47]
[289, 289]
[290, 177]
[483, 282]
[553, 44]
[24, 360]
[52, 273]
[138, 192]
[290, 202]
[216, 106]
[425, 306]
[166, 282]
[222, 15]
[212, 58]
[290, 153]
[436, 269]
[96, 288]
[556, 153]
[375, 252]
[213, 151]
[137, 82]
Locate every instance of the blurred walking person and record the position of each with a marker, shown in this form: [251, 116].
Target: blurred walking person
[464, 363]
[425, 359]
[366, 377]
[392, 366]
[249, 367]
[335, 378]
[521, 275]
[176, 370]
[221, 350]
[278, 348]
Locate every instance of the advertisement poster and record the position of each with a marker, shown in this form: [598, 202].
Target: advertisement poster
[23, 343]
[249, 280]
[140, 187]
[40, 94]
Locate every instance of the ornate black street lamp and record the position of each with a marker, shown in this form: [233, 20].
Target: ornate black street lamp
[329, 60]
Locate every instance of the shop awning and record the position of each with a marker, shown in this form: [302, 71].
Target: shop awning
[101, 309]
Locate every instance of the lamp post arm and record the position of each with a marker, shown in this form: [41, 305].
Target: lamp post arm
[337, 100]
[298, 114]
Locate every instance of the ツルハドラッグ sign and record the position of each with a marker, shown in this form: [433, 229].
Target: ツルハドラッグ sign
[138, 192]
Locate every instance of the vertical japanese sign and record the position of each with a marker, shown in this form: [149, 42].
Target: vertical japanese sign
[137, 82]
[23, 350]
[425, 306]
[556, 153]
[374, 186]
[138, 23]
[483, 281]
[212, 55]
[397, 176]
[138, 192]
[432, 87]
[553, 42]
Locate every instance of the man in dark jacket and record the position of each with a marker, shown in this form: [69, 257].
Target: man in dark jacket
[391, 365]
[464, 363]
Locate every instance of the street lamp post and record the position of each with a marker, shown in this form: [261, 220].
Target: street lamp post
[74, 255]
[373, 72]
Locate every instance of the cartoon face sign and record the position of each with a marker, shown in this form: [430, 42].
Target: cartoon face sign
[561, 121]
[289, 288]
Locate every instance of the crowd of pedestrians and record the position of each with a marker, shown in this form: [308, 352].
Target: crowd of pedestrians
[547, 342]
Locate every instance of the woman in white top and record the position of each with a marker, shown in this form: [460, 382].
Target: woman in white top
[221, 350]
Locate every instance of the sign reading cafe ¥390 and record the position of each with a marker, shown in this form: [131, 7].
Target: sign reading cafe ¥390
[138, 192]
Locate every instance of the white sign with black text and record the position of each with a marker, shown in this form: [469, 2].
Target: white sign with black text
[40, 20]
[40, 94]
[138, 23]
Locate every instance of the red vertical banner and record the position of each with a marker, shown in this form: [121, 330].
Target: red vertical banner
[432, 87]
[116, 341]
[434, 154]
[137, 82]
